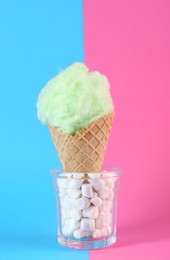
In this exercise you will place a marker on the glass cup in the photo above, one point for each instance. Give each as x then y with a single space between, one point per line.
87 207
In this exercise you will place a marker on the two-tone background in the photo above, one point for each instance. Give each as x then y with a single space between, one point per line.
129 41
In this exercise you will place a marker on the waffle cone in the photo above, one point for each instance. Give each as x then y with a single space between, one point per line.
85 151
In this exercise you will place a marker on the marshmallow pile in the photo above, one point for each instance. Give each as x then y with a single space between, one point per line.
86 204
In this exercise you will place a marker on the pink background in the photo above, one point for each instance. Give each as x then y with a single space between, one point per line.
129 41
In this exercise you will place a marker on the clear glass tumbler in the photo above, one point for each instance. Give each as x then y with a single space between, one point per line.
87 207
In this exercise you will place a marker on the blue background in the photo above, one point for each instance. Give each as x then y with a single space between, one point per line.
37 39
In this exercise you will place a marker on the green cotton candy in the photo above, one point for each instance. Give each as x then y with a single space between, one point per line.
74 99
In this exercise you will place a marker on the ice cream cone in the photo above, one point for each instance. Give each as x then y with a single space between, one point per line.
85 151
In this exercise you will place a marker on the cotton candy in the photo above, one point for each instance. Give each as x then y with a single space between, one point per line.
74 99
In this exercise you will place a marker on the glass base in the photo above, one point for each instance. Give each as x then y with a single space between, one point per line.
87 244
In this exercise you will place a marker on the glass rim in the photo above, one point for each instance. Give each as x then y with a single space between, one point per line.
59 172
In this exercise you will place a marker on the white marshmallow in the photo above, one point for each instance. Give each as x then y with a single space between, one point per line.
103 193
67 203
95 194
82 203
62 192
97 233
97 183
105 206
96 201
62 221
66 174
109 230
67 231
87 190
74 193
110 218
76 183
72 224
78 175
112 174
95 175
103 232
76 214
65 213
109 182
102 220
63 183
106 173
91 212
87 224
79 233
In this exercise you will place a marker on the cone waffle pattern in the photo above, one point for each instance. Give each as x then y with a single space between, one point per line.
85 151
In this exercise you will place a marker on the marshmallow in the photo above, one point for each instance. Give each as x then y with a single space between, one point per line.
105 206
62 192
110 218
76 183
65 231
103 232
69 231
97 233
113 174
62 221
96 201
87 190
74 193
72 224
78 175
109 182
76 214
103 193
102 220
91 212
106 174
95 175
95 194
63 183
79 233
82 203
65 213
97 183
109 230
67 203
66 174
87 224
